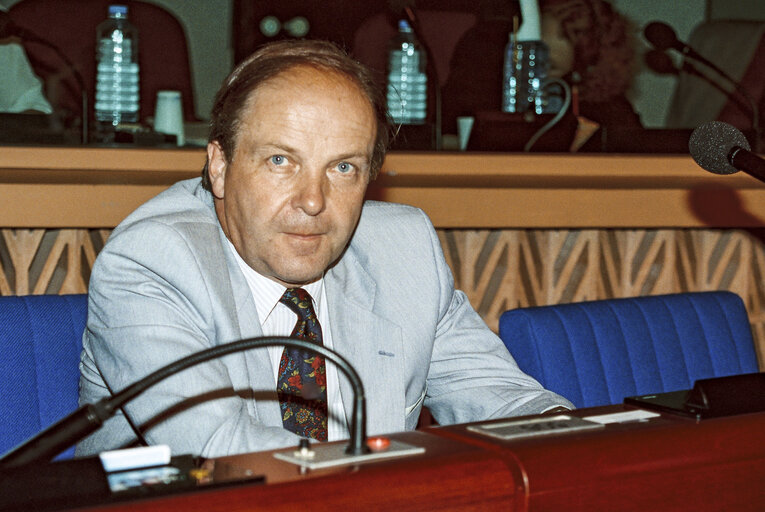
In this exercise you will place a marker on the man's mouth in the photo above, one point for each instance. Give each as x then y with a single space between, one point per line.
303 235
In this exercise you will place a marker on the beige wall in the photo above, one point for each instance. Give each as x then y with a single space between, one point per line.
652 93
208 27
736 10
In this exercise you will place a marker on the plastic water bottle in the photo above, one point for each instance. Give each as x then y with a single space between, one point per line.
407 94
527 60
117 74
525 75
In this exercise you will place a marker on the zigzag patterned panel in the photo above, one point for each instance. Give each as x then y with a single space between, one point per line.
40 261
497 269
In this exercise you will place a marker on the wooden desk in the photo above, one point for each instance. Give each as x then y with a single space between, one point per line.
517 230
667 463
464 190
52 187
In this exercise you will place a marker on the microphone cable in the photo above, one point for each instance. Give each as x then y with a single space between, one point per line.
558 116
136 430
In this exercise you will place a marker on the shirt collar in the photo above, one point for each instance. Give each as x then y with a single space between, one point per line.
266 292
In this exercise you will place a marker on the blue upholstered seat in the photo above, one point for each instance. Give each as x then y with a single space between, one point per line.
598 352
40 344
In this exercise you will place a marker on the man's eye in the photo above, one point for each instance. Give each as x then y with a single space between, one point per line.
278 160
344 167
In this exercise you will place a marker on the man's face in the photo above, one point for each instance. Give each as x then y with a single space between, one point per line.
291 196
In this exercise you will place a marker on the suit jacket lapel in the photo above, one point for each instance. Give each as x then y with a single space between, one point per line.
370 342
260 373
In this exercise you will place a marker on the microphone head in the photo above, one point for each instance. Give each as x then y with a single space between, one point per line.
711 143
661 36
659 62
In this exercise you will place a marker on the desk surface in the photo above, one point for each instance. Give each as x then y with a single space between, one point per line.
663 463
97 187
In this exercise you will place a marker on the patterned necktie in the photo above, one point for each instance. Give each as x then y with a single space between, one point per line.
302 383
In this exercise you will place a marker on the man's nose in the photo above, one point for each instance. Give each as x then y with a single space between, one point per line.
310 193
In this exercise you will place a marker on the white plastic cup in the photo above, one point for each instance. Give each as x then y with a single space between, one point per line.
168 115
464 127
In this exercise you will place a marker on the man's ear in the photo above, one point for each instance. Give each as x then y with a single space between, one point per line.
216 168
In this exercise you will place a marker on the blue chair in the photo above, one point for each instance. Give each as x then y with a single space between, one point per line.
598 352
40 345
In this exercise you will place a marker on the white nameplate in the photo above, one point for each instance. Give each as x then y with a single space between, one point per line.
623 417
132 458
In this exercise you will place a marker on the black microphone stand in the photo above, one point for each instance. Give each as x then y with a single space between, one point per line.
88 418
77 76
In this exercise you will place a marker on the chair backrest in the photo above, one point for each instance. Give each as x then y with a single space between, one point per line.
598 352
40 345
71 26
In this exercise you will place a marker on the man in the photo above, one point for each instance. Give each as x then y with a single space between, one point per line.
279 219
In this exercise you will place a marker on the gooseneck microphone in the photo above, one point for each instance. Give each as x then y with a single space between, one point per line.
9 29
659 62
721 148
89 418
663 38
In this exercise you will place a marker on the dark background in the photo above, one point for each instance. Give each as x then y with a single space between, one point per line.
336 20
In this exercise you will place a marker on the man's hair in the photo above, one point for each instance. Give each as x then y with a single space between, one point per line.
275 58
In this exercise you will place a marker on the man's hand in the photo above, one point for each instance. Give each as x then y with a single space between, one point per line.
556 410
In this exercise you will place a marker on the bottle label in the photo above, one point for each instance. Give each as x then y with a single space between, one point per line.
117 81
115 48
525 77
407 91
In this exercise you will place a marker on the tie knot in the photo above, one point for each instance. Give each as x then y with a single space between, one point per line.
299 301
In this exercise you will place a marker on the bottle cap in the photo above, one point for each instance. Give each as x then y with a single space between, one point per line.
530 28
118 9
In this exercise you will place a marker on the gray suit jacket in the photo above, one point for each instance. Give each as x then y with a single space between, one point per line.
165 286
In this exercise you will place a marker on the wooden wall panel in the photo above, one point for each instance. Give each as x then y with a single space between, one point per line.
42 261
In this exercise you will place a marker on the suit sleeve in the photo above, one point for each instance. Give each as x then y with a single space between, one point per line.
472 375
150 304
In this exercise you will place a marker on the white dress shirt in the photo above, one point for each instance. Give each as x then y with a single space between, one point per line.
276 319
